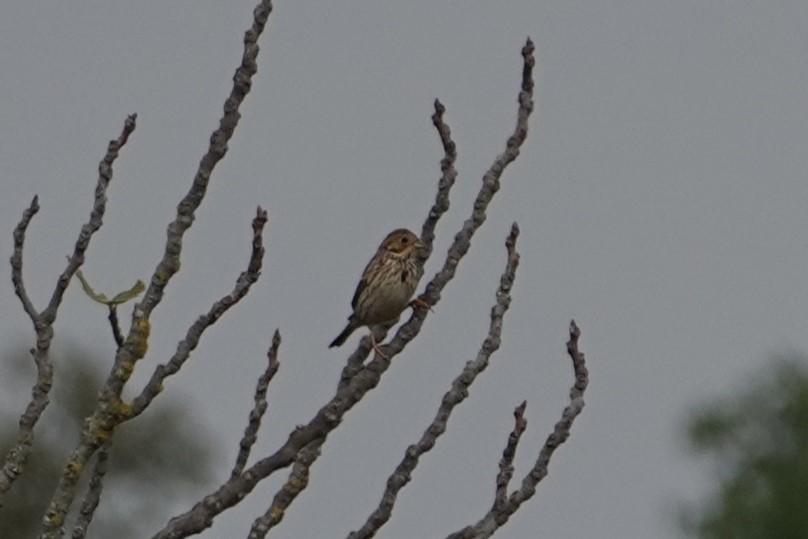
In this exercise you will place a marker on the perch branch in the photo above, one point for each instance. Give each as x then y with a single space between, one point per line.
439 207
462 241
354 386
457 394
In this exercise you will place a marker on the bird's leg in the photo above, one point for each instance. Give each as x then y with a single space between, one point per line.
418 303
376 347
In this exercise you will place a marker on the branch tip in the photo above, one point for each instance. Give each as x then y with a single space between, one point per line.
575 332
261 217
272 353
510 241
439 108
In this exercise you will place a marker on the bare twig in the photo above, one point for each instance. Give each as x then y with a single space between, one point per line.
297 483
93 496
257 413
43 321
16 258
457 394
447 179
354 386
506 463
116 327
503 510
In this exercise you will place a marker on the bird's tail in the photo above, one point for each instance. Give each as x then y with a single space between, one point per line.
342 337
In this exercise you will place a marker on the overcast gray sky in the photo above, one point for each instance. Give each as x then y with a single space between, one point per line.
661 195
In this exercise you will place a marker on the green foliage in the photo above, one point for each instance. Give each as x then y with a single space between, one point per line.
757 441
155 459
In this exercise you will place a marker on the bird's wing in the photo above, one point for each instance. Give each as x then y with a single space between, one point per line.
364 281
361 286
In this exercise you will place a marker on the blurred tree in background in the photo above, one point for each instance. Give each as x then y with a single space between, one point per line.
757 443
153 461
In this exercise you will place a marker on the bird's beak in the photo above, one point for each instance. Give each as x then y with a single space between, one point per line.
420 245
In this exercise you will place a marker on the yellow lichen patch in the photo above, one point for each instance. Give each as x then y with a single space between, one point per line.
297 484
55 519
120 409
103 435
74 469
139 339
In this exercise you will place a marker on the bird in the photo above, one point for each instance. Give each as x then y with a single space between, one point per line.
388 282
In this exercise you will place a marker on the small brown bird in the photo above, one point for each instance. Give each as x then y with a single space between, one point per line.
387 284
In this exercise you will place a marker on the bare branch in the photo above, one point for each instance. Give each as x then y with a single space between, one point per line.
43 321
197 329
503 510
457 394
257 413
116 327
93 496
506 463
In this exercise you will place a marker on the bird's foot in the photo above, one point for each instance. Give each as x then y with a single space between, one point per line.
376 347
418 303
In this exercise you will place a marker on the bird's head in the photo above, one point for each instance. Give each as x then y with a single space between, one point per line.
401 242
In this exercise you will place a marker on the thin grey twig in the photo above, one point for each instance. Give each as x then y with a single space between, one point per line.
447 179
192 337
93 496
506 463
257 413
15 460
291 489
354 387
116 327
16 258
457 394
503 510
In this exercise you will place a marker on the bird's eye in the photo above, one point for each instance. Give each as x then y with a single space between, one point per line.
405 240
